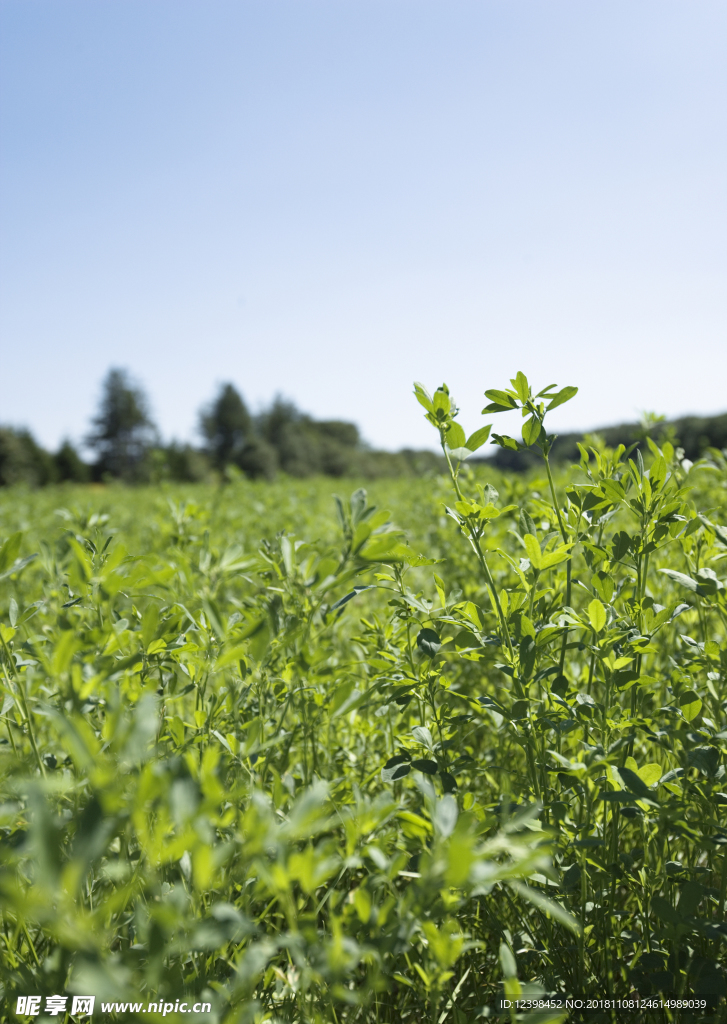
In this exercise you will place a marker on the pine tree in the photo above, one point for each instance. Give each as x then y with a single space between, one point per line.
123 432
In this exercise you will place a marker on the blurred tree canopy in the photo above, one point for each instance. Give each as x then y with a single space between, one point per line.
279 439
22 460
226 426
123 433
694 434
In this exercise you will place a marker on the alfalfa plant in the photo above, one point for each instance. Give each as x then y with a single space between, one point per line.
618 720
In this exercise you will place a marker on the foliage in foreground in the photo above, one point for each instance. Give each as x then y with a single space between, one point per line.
320 772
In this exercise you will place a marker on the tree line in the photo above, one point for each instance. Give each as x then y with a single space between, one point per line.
693 434
125 445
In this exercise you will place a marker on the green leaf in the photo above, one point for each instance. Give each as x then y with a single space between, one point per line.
704 759
17 566
423 397
521 386
690 896
428 642
603 585
720 532
597 615
473 508
507 442
441 401
586 699
531 430
621 544
229 656
500 401
561 554
526 524
526 627
382 548
460 453
9 550
664 910
424 764
444 817
66 646
343 600
341 695
403 553
548 906
657 473
441 589
679 577
708 582
690 705
362 903
519 710
507 961
476 440
396 768
562 396
455 436
634 783
533 549
422 734
650 773
150 621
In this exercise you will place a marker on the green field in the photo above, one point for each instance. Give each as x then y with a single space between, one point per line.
232 775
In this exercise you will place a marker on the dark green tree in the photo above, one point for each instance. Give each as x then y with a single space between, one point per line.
181 462
123 432
22 460
284 427
258 459
306 446
226 426
69 465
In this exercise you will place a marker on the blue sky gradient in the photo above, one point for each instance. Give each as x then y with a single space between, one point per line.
331 199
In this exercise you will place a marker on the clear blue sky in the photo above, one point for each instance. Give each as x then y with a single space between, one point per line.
331 199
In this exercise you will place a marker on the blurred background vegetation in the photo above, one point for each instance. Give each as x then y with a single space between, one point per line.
124 444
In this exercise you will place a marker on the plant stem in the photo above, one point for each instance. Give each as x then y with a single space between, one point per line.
475 542
494 596
568 564
23 701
